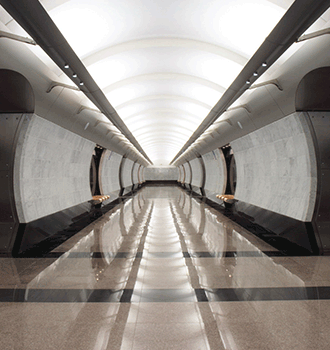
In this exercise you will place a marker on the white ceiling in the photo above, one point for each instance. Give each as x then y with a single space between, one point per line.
163 64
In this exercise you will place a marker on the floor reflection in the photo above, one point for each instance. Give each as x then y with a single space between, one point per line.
164 271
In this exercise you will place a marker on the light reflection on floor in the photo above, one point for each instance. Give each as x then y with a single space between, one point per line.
164 271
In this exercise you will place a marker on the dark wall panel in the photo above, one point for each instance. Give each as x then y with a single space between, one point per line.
313 91
16 94
320 122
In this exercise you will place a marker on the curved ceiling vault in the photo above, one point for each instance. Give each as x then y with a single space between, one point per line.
164 64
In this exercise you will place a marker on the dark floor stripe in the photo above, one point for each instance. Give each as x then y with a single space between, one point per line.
165 255
163 295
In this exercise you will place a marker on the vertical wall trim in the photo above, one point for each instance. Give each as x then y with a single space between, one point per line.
224 164
191 174
184 174
132 175
203 174
100 170
180 175
121 177
319 127
139 174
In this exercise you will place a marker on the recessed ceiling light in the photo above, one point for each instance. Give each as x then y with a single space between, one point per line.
74 75
264 64
66 66
248 82
255 74
81 83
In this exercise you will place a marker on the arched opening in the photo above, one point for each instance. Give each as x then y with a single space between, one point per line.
94 171
231 169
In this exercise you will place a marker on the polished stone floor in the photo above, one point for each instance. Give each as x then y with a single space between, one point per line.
164 271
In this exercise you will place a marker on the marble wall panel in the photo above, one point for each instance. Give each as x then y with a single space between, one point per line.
127 172
109 173
197 172
276 168
154 173
51 170
216 173
187 170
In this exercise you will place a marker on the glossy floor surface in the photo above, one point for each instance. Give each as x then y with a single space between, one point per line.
164 271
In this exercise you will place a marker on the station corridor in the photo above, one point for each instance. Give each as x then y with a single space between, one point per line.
163 270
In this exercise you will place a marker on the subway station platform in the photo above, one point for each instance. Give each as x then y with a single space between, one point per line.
164 270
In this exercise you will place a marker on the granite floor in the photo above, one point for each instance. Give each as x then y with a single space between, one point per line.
164 271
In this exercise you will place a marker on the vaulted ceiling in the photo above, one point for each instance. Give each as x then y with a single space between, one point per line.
163 64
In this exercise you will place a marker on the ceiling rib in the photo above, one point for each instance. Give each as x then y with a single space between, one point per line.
149 98
164 76
165 42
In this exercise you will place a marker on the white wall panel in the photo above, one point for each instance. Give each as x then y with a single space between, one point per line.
187 172
51 169
127 172
216 172
142 179
153 173
276 168
135 173
180 177
197 172
109 173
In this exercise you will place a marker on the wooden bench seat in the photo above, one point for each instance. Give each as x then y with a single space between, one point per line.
228 198
99 199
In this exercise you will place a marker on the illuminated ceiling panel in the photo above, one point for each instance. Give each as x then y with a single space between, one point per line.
164 64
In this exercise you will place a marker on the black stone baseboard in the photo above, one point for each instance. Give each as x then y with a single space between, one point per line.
40 236
161 182
290 236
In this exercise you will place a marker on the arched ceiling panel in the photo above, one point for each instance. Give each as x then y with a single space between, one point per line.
143 89
148 98
170 129
159 124
171 78
177 134
112 22
158 113
187 88
165 42
190 62
173 139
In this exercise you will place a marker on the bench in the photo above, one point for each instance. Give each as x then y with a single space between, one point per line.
99 199
227 198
